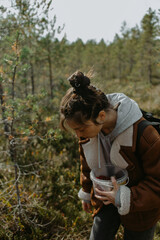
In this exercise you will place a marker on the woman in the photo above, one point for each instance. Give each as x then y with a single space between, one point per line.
112 121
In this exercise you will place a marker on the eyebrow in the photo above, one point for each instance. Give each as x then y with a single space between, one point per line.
77 128
82 127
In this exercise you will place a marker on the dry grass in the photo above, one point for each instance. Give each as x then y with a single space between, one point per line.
145 94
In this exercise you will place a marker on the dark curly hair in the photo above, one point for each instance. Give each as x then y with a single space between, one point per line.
82 102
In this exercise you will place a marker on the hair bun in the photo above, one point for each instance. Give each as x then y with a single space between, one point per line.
79 81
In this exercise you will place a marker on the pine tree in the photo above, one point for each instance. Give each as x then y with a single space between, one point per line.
148 44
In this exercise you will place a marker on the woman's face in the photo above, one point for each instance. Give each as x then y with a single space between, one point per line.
87 130
107 121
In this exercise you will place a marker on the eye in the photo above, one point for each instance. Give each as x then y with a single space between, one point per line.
81 130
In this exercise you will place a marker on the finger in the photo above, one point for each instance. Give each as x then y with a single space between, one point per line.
103 193
101 198
106 202
114 182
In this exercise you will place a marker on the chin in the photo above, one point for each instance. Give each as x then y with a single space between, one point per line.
92 136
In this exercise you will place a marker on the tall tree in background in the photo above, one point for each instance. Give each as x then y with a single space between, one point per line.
75 57
117 49
132 47
102 60
130 41
47 45
148 44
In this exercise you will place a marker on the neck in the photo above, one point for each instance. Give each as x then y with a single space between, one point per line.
110 122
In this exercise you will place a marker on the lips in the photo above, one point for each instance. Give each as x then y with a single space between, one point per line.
82 138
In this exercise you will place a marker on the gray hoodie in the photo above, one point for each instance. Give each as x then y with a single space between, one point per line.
128 113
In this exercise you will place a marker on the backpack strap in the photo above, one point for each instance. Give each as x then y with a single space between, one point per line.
141 126
149 116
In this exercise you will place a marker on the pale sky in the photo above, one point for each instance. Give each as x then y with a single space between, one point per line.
97 19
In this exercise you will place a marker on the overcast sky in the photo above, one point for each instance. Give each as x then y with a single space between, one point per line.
97 19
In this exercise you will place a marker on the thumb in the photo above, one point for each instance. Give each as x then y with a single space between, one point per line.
114 182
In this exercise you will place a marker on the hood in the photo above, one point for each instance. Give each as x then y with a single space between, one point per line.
127 114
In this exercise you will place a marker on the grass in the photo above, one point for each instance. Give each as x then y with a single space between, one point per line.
146 95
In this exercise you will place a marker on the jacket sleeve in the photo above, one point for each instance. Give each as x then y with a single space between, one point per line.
85 180
146 195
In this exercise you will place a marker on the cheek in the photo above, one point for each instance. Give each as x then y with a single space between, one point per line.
95 130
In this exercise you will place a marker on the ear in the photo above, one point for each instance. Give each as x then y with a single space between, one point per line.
101 116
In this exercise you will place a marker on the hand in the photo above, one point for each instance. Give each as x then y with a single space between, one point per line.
86 206
108 197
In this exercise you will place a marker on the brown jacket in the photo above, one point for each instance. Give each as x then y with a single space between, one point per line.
144 180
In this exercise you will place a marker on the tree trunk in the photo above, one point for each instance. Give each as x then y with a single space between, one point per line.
25 79
32 78
50 73
12 142
6 127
